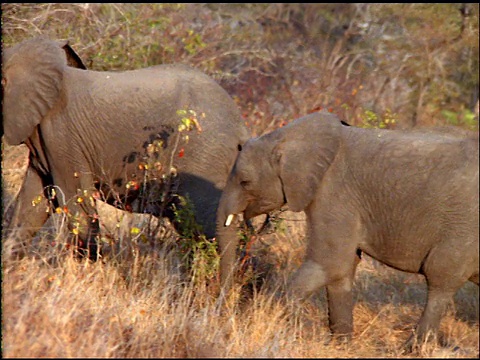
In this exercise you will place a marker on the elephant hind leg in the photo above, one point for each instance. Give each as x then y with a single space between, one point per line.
445 275
427 328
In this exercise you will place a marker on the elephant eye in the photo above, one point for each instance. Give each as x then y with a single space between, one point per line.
244 183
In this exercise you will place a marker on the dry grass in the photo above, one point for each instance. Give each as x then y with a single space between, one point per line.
147 307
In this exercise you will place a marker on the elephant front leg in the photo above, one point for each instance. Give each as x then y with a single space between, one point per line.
313 275
30 213
91 245
310 277
340 308
340 303
84 224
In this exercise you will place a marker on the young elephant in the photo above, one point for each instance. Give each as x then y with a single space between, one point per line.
406 198
114 135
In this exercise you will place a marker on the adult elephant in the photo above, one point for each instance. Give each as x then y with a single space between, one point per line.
115 136
406 198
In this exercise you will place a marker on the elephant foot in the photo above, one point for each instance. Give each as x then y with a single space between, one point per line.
89 249
410 346
338 340
416 344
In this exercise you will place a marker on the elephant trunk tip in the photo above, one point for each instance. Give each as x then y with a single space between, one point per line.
229 220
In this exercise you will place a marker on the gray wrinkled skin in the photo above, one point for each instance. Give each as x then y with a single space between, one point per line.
406 198
89 130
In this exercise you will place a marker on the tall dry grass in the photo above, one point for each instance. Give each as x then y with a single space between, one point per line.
146 305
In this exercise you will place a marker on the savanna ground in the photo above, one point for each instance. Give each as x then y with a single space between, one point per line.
393 66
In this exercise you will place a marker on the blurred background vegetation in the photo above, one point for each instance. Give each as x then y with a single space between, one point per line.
382 65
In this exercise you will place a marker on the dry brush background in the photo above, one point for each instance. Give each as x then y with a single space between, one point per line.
393 66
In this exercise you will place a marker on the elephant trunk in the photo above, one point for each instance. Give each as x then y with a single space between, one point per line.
226 235
228 242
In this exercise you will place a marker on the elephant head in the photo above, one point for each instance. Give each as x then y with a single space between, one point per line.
283 167
25 104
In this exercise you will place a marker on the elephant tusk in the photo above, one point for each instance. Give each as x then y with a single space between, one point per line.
229 220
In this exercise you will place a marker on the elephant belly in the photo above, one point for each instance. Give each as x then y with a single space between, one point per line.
401 255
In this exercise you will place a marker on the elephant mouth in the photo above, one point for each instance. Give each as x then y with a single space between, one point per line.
250 212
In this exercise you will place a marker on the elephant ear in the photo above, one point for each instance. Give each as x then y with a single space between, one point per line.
308 148
73 60
32 79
